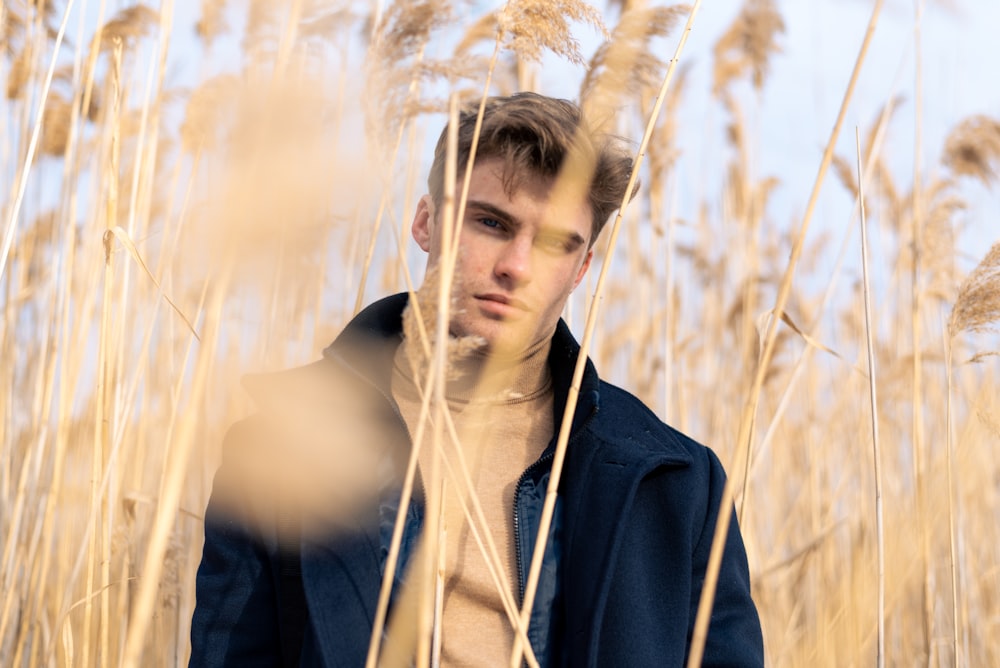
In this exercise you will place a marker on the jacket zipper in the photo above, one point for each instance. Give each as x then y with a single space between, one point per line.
547 457
517 523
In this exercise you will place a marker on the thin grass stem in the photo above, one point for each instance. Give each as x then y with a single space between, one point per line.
873 396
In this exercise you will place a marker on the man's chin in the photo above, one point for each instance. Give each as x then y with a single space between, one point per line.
503 336
504 341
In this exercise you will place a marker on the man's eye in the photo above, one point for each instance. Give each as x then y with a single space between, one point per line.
490 222
553 243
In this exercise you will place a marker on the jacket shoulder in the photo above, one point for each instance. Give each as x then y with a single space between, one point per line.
623 418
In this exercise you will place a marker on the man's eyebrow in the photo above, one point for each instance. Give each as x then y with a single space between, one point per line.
570 238
494 211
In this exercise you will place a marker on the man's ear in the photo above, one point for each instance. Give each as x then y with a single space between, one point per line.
423 223
583 268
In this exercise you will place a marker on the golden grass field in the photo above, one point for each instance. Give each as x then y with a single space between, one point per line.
161 240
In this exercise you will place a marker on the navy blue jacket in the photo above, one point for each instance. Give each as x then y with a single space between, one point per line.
637 508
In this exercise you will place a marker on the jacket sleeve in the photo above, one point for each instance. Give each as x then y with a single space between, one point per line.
734 634
235 619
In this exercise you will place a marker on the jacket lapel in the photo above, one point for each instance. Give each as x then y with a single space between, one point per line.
342 575
341 580
595 521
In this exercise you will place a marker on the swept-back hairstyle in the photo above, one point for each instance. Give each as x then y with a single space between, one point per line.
538 136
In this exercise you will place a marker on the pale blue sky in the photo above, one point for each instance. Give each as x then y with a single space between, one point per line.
808 78
800 100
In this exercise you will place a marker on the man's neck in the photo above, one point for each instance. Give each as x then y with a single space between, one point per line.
477 374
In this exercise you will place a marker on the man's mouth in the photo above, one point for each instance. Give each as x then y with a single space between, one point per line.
500 303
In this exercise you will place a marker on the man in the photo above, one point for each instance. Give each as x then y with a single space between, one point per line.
634 518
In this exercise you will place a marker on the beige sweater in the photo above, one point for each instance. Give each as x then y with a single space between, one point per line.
502 410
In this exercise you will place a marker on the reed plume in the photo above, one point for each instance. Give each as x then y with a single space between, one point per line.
942 205
977 307
55 126
530 27
17 77
128 26
394 69
212 23
626 64
973 149
748 45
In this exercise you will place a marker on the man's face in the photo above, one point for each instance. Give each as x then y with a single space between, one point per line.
519 258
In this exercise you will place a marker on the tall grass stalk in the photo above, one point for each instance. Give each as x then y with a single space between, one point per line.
956 646
873 397
916 315
434 482
106 370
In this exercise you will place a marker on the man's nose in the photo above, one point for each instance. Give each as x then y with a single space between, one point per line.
514 261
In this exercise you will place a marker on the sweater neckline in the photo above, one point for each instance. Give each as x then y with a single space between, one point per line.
475 376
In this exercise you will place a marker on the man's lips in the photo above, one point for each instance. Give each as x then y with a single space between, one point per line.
490 299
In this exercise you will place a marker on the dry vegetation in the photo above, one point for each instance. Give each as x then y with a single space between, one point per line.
157 242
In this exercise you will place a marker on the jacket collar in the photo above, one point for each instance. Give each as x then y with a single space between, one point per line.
368 342
367 345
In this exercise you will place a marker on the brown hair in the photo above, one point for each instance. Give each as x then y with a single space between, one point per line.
534 135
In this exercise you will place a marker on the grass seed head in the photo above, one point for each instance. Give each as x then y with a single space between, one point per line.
460 349
627 64
129 25
17 77
395 69
846 173
973 149
212 23
941 204
977 308
533 26
748 44
11 27
55 126
406 28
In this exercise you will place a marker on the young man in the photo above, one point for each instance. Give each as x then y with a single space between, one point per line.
635 515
